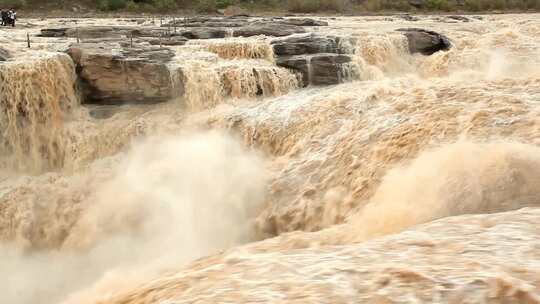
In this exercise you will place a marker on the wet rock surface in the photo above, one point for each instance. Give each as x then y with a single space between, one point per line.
307 44
4 54
424 41
318 69
320 60
113 74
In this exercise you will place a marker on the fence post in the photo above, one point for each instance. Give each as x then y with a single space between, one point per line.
28 39
77 34
131 40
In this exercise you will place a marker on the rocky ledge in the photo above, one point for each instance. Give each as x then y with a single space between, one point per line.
113 69
111 73
425 42
318 59
193 28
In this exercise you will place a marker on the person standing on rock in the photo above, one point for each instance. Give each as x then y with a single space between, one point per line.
12 16
4 15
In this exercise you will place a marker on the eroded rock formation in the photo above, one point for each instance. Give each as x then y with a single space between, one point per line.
425 42
320 60
113 74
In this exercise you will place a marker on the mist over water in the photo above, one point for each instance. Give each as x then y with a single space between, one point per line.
460 178
171 200
111 210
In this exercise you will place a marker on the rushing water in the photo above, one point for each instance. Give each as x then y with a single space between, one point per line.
110 210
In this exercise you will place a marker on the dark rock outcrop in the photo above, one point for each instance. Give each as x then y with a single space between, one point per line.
111 74
425 42
299 64
318 59
4 54
268 29
318 69
327 69
306 44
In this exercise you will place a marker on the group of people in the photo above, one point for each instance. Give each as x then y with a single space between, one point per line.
9 17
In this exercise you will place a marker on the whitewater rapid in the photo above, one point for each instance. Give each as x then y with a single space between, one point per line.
111 210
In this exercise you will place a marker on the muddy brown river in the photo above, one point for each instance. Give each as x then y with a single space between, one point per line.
345 168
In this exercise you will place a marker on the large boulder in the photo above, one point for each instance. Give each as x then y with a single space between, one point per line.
317 59
112 74
318 69
274 29
327 69
306 44
425 42
299 64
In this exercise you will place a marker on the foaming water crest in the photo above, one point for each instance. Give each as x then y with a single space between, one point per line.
460 178
171 200
202 86
379 55
206 86
246 81
35 95
238 48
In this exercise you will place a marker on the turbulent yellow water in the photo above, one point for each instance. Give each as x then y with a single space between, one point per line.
116 208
